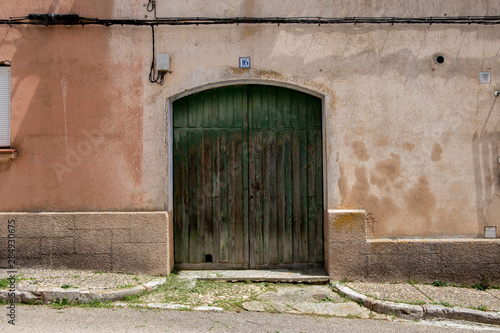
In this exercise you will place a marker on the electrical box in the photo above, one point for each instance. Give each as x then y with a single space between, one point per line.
484 77
490 232
163 62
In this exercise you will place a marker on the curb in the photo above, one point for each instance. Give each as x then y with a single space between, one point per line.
169 306
79 295
409 311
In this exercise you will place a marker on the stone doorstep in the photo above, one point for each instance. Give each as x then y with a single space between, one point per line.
409 311
83 295
306 280
283 275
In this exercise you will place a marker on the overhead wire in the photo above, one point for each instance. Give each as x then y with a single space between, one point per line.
159 77
49 19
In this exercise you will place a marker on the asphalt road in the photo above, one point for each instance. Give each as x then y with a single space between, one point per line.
78 319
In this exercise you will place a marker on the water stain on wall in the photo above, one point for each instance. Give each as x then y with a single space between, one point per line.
343 190
408 146
378 180
420 200
360 151
389 168
360 197
436 152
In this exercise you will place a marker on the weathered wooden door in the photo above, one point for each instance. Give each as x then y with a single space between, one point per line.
248 178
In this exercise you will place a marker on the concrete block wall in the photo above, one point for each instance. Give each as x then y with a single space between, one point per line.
128 242
350 254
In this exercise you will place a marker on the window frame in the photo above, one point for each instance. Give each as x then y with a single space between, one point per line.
5 106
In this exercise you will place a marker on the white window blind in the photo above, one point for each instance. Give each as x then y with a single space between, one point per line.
4 106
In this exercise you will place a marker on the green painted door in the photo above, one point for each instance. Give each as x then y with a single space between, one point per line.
248 179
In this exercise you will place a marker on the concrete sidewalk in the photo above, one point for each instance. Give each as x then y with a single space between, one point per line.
280 291
423 301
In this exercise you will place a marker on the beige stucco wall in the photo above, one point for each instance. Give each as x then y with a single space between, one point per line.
412 142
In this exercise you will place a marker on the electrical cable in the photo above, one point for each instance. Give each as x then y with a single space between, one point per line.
151 7
49 19
72 19
160 77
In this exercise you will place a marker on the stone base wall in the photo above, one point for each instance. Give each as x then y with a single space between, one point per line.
142 242
130 242
350 254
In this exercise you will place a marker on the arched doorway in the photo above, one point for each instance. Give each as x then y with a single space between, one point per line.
248 178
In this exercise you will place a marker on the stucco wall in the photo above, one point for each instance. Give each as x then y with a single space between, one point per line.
412 142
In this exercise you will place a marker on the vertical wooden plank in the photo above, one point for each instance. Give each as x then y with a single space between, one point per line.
184 235
264 107
271 176
251 198
311 195
288 117
192 114
311 114
301 119
193 196
206 109
293 114
255 108
231 195
179 186
302 182
238 108
223 107
296 196
245 176
319 196
216 196
237 185
214 108
184 115
207 191
230 106
255 184
280 103
318 113
177 114
223 171
237 182
287 147
200 199
280 198
272 108
264 191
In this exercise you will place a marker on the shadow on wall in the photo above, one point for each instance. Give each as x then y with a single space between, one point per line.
62 78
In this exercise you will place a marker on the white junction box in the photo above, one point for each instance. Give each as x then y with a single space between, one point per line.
163 62
484 77
490 232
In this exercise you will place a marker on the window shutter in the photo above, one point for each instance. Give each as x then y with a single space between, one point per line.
4 106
